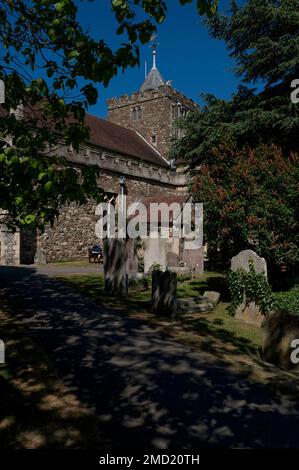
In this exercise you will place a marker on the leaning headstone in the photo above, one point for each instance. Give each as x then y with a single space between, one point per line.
250 313
114 260
164 293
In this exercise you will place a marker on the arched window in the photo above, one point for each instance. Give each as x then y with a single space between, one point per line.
136 113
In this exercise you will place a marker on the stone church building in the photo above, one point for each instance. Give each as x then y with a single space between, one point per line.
133 143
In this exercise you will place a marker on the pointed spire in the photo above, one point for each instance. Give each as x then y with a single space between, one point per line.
154 79
154 56
154 45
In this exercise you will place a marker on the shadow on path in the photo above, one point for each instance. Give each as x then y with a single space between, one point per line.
148 391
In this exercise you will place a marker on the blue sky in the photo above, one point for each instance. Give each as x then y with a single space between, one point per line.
187 54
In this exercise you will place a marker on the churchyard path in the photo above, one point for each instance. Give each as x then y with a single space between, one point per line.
147 390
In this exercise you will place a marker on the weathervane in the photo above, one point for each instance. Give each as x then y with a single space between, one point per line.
154 44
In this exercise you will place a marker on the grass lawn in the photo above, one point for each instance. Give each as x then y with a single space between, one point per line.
229 342
69 263
139 301
36 409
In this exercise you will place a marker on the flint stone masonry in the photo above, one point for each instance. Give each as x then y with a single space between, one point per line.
9 246
250 313
158 114
74 231
116 151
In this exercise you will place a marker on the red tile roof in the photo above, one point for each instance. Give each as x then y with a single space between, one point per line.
111 136
107 135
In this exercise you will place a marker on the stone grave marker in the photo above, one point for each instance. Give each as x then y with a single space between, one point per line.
250 313
115 274
154 252
172 260
164 293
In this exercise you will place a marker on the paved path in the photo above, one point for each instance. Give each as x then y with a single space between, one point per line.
148 390
72 269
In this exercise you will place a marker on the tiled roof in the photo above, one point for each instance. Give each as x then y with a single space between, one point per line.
113 137
106 135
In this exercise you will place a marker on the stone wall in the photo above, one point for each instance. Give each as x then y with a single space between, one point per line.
9 246
74 231
158 112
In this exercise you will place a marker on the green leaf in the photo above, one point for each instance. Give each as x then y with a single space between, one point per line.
48 186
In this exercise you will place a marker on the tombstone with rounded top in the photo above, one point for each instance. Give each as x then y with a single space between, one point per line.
241 261
249 312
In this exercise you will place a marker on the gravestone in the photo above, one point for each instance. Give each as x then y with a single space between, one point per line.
164 293
131 256
250 313
115 274
172 260
154 252
242 261
194 259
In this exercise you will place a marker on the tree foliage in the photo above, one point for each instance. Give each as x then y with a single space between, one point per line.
251 200
243 152
263 38
51 65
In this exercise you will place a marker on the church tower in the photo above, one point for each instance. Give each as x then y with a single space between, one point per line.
153 110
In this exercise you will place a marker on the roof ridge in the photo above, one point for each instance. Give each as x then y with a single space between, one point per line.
153 147
106 134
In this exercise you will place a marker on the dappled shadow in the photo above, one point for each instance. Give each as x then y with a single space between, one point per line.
36 409
206 328
147 390
212 283
225 346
